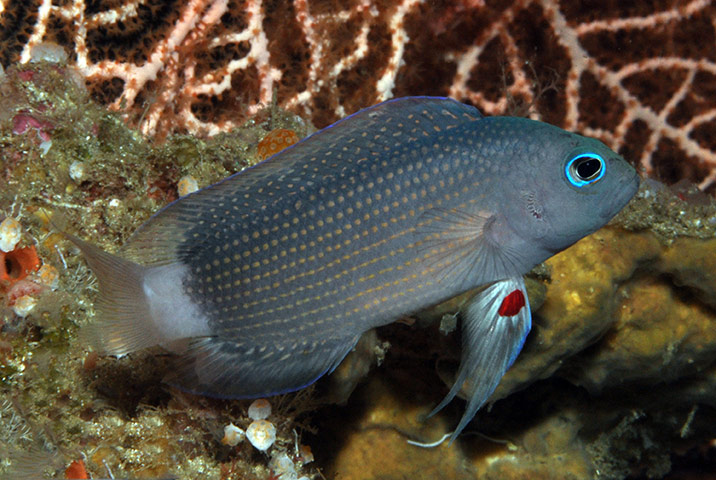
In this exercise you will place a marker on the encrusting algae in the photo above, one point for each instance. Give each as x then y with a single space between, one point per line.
72 405
624 313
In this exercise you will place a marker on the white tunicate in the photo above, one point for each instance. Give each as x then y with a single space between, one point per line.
77 172
48 52
186 185
305 454
45 146
259 409
24 305
232 435
261 434
448 323
10 233
283 467
48 275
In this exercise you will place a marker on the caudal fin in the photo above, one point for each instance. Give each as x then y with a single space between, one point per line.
124 321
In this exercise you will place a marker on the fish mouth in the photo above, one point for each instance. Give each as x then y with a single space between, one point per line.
624 192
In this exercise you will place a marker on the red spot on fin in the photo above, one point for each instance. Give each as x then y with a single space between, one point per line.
512 304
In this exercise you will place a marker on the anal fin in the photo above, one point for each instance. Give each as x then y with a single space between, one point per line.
495 325
229 369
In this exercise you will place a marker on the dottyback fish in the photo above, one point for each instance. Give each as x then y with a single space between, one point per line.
264 281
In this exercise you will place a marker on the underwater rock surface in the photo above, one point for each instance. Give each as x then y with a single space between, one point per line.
617 375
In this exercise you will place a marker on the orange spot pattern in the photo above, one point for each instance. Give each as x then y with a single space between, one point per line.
275 141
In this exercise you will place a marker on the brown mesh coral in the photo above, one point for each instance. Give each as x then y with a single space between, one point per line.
640 76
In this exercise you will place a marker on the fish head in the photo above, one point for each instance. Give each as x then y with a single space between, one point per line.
574 186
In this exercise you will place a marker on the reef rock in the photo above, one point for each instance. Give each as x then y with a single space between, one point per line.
617 374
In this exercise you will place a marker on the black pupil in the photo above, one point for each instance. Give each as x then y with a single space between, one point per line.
589 168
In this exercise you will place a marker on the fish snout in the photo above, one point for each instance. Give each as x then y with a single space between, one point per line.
623 192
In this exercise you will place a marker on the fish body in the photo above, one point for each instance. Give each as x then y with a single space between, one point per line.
265 281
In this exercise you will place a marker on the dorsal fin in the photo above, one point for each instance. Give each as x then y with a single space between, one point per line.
158 241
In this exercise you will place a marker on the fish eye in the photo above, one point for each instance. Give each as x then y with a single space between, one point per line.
584 169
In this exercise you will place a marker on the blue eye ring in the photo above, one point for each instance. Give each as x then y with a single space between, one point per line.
582 170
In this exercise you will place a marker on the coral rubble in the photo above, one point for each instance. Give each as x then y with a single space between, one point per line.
64 407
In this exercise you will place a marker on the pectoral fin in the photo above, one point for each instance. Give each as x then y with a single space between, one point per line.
495 325
461 247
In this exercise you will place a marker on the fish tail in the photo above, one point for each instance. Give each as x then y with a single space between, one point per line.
125 318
